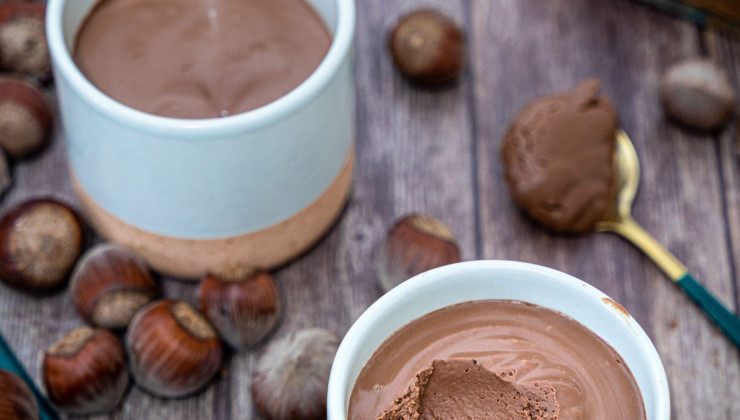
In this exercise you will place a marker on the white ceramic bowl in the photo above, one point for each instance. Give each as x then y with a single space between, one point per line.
477 280
217 179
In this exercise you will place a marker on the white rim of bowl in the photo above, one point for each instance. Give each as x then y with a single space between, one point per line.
351 343
188 128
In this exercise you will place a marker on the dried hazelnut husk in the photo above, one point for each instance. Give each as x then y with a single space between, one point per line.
415 244
292 376
428 47
172 348
85 372
25 117
17 402
698 94
110 284
242 304
40 240
23 46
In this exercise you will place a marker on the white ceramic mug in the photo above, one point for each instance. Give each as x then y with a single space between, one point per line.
478 280
191 195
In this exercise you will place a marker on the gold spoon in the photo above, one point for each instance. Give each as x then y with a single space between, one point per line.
628 167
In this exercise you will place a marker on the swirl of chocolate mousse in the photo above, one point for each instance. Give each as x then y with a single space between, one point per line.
558 158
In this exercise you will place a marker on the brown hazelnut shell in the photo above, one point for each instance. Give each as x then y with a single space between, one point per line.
428 47
85 372
40 241
25 50
415 244
17 402
291 378
25 117
110 284
698 94
242 304
173 350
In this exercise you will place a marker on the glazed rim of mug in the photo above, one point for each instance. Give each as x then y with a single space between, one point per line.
434 284
195 128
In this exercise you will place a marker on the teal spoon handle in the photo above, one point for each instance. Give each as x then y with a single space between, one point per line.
723 317
9 362
727 321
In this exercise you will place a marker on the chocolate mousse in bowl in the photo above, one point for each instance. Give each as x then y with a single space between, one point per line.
499 340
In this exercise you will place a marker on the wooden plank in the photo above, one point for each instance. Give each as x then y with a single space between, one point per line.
725 49
526 48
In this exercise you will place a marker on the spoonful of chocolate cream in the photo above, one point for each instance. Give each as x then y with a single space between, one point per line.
573 170
559 159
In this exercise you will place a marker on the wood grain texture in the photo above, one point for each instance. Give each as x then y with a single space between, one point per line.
725 50
435 151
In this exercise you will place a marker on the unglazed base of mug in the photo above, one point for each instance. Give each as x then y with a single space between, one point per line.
266 248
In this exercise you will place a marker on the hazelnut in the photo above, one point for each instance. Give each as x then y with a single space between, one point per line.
698 93
23 46
414 245
173 349
16 399
25 117
242 304
428 47
292 376
109 284
40 240
85 372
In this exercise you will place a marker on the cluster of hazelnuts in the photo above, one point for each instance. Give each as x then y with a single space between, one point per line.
25 116
170 349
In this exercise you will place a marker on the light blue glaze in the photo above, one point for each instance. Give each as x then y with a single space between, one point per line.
210 178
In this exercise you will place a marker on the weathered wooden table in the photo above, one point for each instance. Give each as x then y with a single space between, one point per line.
437 152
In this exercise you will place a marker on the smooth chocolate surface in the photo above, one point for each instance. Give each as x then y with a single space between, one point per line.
200 58
538 346
558 155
